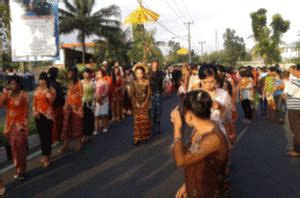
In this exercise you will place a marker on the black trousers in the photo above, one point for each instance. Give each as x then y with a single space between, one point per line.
44 127
294 120
246 104
88 119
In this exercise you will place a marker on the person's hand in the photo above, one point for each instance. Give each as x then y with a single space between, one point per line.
284 96
215 105
176 119
181 193
36 115
66 107
232 138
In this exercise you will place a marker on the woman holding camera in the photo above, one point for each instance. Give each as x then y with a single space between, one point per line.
205 158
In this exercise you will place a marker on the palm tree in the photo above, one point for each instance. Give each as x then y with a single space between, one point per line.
151 47
144 45
115 46
78 15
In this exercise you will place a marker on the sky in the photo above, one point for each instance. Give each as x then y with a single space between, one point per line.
208 16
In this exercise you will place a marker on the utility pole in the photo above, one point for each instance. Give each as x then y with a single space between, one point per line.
298 44
202 44
217 40
189 23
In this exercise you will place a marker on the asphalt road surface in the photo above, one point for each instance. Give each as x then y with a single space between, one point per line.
111 166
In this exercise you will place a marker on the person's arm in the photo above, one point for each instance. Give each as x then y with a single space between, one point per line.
26 106
3 98
35 114
148 94
207 146
50 94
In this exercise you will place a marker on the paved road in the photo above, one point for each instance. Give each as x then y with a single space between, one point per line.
111 167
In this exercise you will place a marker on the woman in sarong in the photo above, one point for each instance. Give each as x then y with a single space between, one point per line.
16 124
140 93
73 112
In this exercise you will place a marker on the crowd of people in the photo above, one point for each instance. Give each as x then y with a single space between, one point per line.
209 95
209 98
94 100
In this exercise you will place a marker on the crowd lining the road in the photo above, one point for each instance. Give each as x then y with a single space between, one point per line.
208 104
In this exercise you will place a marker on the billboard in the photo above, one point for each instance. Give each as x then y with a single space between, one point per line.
34 30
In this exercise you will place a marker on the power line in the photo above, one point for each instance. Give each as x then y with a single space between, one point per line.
169 31
172 9
160 23
179 17
180 10
187 10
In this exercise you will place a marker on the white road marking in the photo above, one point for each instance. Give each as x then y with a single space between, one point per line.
30 157
10 167
241 134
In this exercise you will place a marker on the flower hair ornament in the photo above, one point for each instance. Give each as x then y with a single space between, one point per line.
140 65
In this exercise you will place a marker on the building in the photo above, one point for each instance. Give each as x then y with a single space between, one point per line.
70 54
290 51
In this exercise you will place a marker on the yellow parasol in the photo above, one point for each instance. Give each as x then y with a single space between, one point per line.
182 51
141 15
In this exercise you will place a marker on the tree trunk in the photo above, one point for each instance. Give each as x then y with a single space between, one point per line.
145 55
83 48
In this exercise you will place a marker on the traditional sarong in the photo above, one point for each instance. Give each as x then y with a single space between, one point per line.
142 125
72 125
18 141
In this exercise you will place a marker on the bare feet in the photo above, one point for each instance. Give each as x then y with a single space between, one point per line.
46 163
2 188
78 146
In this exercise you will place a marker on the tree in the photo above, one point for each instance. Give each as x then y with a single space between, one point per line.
144 47
217 57
234 47
173 57
268 38
114 47
5 18
79 16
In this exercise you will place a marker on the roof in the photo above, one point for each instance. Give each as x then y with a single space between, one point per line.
74 45
290 45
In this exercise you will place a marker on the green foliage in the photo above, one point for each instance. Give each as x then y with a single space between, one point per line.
62 77
296 61
5 16
173 57
144 47
114 47
268 38
217 57
79 15
234 47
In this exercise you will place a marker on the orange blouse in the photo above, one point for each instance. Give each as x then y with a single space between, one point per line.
74 98
42 102
16 111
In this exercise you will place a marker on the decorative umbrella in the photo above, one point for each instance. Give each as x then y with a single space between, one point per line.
182 51
141 15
